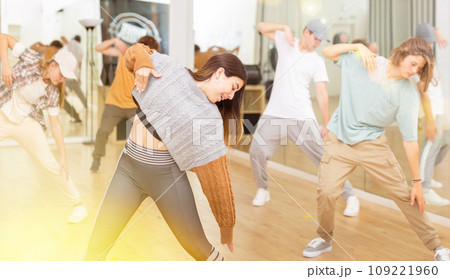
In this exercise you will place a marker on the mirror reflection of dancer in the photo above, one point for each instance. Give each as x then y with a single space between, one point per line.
153 162
25 91
298 64
371 100
119 102
437 133
47 52
74 46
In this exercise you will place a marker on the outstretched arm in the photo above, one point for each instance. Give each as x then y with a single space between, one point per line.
441 41
333 52
268 29
322 100
112 47
430 128
412 154
6 41
39 47
138 61
216 184
55 127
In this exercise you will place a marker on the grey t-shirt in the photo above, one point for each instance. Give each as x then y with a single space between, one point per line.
370 101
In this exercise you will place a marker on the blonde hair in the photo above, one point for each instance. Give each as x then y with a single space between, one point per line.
417 47
44 64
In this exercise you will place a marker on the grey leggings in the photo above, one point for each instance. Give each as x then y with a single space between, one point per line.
131 183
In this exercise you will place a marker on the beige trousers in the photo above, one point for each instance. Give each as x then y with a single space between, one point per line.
31 137
377 159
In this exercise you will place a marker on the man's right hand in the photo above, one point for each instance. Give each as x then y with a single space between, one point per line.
288 35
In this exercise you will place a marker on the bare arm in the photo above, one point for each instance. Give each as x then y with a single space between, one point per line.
39 47
441 41
412 154
430 129
64 40
268 29
322 99
55 127
6 41
333 52
113 47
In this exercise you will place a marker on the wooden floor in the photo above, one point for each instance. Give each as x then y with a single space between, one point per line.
33 213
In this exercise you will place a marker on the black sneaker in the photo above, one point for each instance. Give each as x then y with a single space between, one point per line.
95 165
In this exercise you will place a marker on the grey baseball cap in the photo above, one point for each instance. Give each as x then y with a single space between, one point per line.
318 28
426 31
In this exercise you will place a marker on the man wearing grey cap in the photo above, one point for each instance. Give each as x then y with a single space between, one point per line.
437 132
289 113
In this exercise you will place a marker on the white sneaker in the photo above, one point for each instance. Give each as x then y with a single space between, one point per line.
316 247
442 254
79 213
352 208
435 184
432 198
262 196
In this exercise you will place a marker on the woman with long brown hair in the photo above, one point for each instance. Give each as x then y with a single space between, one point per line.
25 91
181 124
375 93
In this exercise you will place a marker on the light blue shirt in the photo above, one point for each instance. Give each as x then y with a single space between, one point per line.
370 102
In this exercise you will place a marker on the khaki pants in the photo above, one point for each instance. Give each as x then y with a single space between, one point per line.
377 159
31 137
272 136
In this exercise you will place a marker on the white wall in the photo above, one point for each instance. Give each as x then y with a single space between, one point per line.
348 16
226 23
401 31
39 20
443 55
181 37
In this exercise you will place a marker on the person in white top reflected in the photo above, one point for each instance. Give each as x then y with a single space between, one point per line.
437 132
289 113
74 46
26 90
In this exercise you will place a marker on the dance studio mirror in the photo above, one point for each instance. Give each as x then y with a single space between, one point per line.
382 22
45 21
237 20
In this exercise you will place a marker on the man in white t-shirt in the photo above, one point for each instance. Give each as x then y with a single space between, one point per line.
289 113
74 46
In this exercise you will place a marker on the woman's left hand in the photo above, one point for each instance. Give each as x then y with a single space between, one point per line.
63 165
141 77
417 194
7 75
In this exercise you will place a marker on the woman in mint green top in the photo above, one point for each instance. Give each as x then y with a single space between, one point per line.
375 93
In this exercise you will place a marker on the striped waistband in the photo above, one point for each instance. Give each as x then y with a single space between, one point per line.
147 155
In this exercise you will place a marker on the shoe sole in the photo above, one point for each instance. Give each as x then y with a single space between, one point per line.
438 204
316 253
76 222
257 204
350 215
